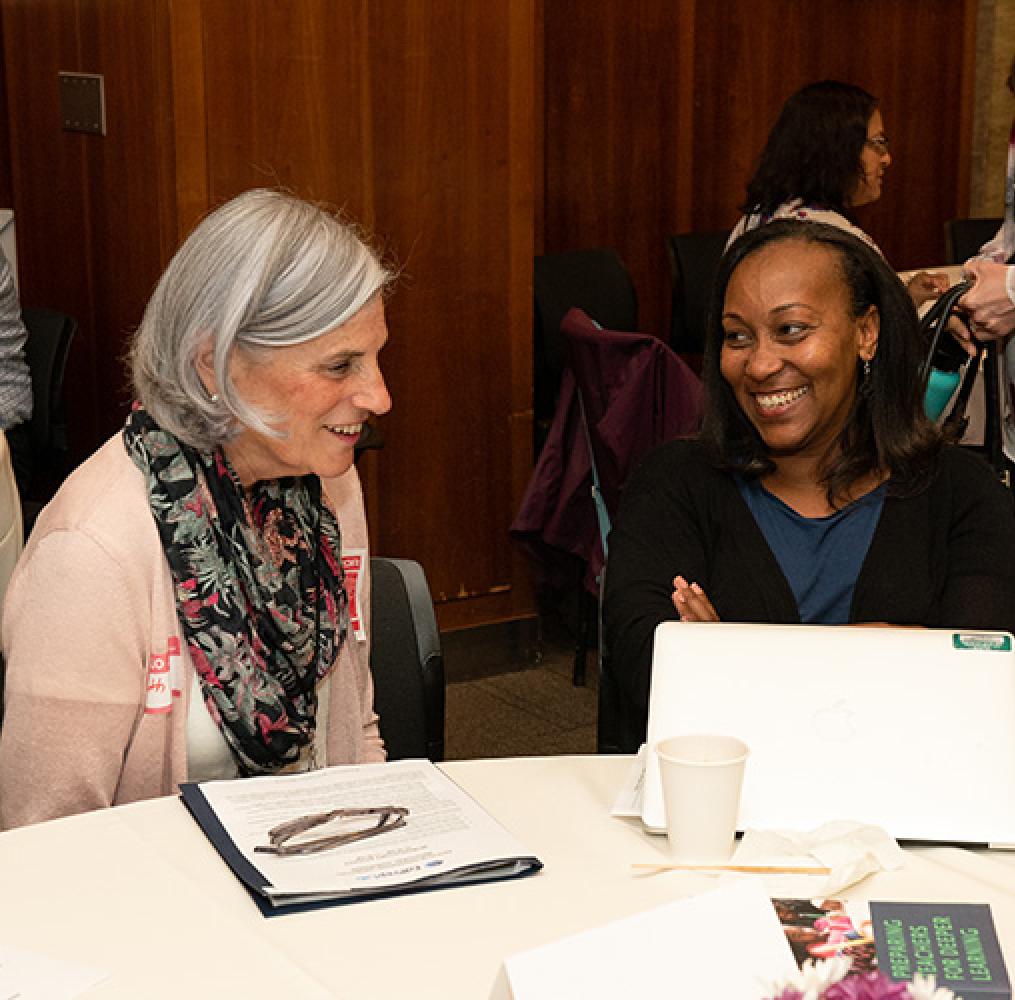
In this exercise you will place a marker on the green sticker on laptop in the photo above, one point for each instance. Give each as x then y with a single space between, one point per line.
998 641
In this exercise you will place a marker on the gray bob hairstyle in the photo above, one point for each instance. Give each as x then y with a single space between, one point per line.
264 270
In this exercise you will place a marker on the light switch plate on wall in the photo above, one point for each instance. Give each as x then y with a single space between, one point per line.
83 103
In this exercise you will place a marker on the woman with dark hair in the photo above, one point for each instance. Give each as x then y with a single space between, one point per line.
825 156
818 491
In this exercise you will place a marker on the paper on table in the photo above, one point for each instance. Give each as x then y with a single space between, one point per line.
628 800
26 975
446 829
686 945
851 850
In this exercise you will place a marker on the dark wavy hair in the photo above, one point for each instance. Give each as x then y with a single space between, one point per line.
886 428
813 151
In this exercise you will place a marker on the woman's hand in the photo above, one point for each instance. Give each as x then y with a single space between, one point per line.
991 311
959 329
691 602
924 286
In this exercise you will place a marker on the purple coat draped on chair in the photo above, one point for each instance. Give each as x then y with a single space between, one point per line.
637 394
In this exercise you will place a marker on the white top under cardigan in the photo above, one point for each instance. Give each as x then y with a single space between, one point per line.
796 209
209 757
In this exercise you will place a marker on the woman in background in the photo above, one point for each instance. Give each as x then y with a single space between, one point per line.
818 491
181 610
825 157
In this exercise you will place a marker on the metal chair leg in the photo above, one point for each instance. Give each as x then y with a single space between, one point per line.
586 614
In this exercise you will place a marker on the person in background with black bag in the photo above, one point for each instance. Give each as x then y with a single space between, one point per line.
989 305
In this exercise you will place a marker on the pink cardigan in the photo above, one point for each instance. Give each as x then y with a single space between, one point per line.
91 719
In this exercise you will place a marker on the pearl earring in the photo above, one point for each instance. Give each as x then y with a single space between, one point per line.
866 368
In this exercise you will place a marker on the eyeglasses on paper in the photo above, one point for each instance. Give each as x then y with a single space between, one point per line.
346 827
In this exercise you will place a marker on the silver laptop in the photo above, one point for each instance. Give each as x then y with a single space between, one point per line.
909 729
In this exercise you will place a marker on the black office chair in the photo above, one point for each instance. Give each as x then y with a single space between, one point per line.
406 661
595 281
964 237
639 377
372 439
694 261
49 338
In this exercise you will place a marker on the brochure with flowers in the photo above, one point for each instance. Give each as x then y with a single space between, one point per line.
900 942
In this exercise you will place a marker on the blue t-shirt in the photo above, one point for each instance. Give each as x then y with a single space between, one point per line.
819 556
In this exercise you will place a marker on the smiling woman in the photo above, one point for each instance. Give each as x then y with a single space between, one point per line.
818 491
789 354
182 609
322 390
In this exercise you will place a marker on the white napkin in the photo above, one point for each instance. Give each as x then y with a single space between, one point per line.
850 849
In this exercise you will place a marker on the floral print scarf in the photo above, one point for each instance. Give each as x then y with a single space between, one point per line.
260 590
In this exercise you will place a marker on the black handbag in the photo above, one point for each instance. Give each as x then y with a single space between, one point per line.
943 354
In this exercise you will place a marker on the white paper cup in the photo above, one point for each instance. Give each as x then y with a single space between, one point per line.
702 775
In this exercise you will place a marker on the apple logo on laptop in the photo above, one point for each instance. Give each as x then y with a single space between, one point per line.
835 723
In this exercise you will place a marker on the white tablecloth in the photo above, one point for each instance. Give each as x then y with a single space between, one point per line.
139 892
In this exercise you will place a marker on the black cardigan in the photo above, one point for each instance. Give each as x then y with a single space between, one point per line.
943 558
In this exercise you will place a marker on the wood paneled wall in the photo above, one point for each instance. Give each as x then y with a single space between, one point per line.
657 110
94 214
467 134
358 104
414 116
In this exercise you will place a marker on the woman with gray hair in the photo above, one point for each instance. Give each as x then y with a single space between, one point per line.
192 603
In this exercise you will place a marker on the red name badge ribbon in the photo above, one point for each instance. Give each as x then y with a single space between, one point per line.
352 564
159 696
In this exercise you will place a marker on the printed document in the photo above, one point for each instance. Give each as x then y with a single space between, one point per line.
447 838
